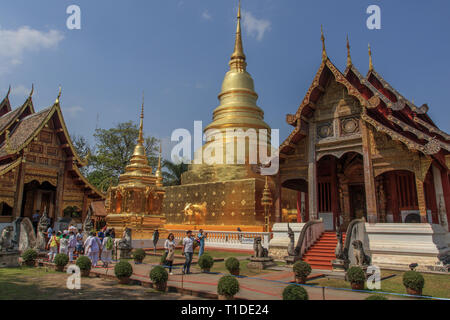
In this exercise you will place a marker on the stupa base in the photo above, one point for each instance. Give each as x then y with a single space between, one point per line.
142 226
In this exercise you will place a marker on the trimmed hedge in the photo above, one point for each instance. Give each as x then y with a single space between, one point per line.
228 286
29 255
158 274
294 292
356 275
84 263
139 255
413 280
61 259
232 264
123 269
302 269
205 261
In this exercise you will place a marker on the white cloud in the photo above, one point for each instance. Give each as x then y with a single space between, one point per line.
255 27
206 15
73 112
15 44
21 91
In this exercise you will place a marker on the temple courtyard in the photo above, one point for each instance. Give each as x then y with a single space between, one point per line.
43 283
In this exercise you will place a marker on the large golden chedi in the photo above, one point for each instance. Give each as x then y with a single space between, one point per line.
136 201
227 195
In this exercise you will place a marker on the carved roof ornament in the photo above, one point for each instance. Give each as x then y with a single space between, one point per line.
432 147
324 51
370 59
59 96
9 91
31 92
349 57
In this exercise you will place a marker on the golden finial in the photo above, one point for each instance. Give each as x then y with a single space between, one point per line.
141 126
238 57
349 58
59 95
370 59
324 51
32 91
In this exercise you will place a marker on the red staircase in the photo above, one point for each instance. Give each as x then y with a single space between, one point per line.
322 252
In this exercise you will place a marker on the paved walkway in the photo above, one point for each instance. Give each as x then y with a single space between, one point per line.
265 287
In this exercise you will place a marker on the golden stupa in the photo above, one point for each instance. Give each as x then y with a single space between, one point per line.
136 201
224 195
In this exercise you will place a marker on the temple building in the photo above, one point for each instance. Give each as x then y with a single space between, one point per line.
136 201
359 148
225 194
39 167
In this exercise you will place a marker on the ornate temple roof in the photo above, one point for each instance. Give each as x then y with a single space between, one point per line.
19 128
383 107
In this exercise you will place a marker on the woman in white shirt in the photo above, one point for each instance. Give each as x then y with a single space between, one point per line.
170 245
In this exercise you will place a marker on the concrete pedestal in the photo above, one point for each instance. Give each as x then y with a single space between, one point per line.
124 253
9 259
258 264
279 243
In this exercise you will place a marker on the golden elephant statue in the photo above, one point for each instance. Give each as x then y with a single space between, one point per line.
195 214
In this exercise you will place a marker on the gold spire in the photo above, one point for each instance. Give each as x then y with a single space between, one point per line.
349 58
324 51
237 61
59 96
158 172
370 59
141 125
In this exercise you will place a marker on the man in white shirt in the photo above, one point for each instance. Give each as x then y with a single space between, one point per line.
92 247
188 251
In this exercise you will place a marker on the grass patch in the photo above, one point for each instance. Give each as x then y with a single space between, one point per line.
436 285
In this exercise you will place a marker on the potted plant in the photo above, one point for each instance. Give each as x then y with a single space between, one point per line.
139 255
85 264
356 276
205 262
61 260
123 271
232 265
413 282
302 270
295 292
376 297
29 257
227 287
162 261
159 277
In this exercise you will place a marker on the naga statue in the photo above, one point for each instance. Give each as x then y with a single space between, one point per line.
6 239
44 223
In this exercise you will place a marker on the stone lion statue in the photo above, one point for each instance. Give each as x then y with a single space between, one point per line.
194 213
360 256
125 242
6 239
260 251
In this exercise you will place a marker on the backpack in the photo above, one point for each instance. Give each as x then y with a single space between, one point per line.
109 244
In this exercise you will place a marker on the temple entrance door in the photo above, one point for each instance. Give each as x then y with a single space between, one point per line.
357 201
38 197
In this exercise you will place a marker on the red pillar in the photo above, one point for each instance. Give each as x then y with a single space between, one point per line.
393 197
446 189
299 206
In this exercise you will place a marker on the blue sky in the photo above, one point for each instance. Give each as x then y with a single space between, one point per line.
177 51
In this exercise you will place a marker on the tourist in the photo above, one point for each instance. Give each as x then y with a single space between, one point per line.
169 246
201 241
52 246
107 247
72 245
92 247
73 229
35 220
155 239
113 233
188 251
64 244
100 235
79 238
49 232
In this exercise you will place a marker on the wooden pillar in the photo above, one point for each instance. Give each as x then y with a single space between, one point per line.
18 197
369 179
446 189
312 173
421 200
59 195
334 193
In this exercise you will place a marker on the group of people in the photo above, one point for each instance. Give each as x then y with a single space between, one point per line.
71 242
189 244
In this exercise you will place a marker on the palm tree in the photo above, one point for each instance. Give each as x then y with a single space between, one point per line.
172 175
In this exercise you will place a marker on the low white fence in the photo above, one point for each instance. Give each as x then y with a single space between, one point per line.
228 239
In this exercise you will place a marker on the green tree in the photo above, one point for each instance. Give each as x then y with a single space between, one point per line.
173 172
83 150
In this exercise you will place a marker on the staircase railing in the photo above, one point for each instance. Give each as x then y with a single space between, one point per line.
311 231
352 235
